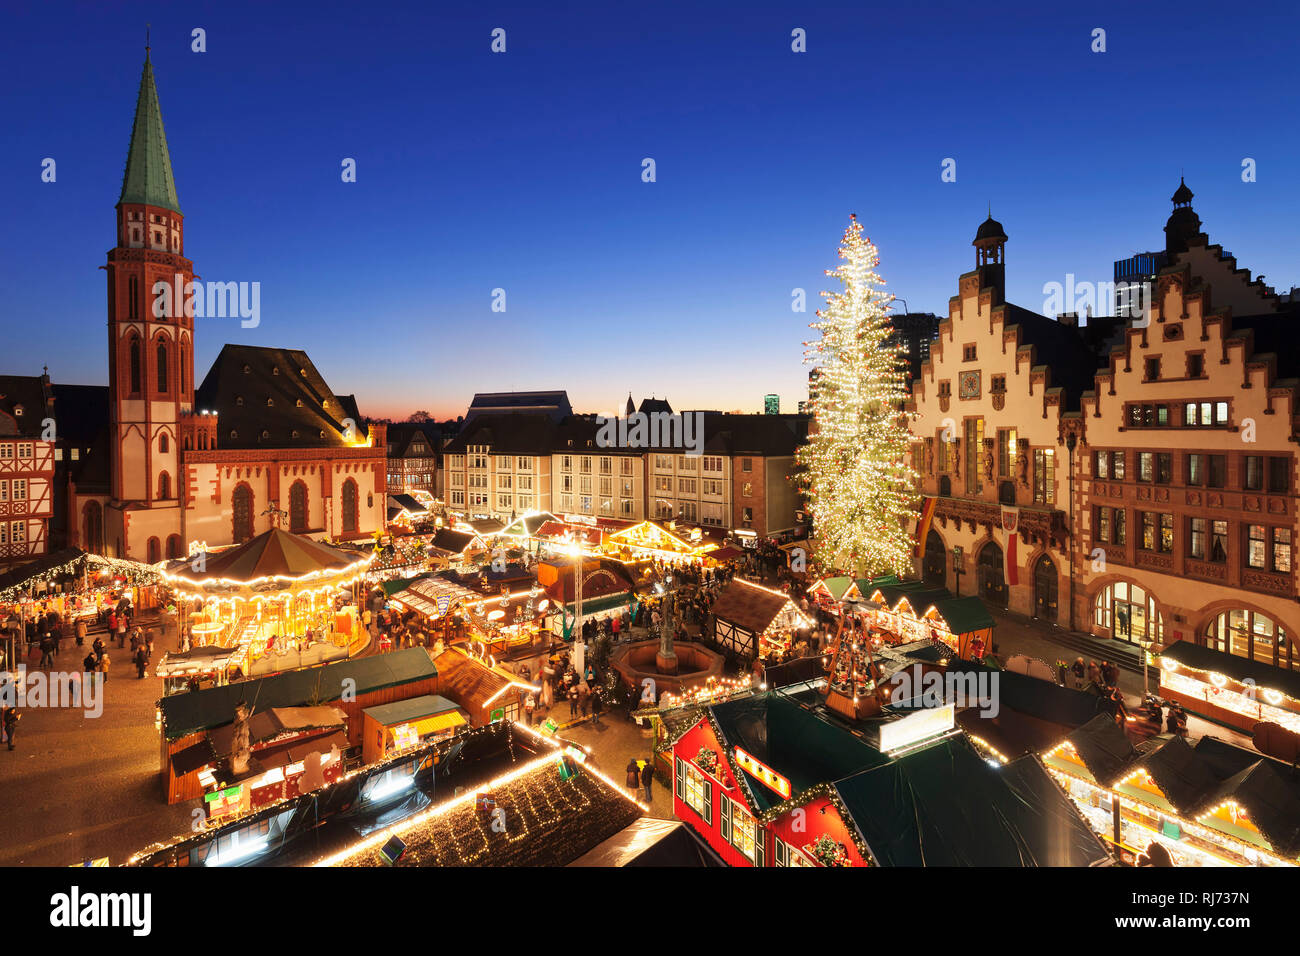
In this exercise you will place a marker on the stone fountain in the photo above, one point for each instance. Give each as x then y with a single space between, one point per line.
673 667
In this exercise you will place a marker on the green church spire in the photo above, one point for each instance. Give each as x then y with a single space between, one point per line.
148 177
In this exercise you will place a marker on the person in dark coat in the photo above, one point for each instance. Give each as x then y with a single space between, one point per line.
633 775
648 780
97 648
47 651
11 718
141 658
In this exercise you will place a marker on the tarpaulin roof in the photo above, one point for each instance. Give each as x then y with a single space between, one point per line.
1183 776
943 805
1103 747
647 841
208 657
1048 701
1269 800
1264 676
214 706
269 724
272 554
793 741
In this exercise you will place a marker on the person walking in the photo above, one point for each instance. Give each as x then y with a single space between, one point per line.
121 631
1094 673
104 663
573 702
149 636
47 651
584 698
1079 671
595 708
529 706
140 660
633 776
81 631
648 780
11 718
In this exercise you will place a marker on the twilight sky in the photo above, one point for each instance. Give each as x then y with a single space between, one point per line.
522 171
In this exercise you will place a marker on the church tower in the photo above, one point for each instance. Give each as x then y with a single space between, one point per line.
150 343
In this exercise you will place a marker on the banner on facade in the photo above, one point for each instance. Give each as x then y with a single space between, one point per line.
1010 525
923 524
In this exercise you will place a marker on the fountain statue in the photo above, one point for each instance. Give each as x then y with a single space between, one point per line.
666 659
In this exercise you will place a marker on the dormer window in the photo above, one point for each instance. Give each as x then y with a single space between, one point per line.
321 433
302 372
18 411
295 433
265 435
233 433
275 370
298 403
270 402
248 370
239 399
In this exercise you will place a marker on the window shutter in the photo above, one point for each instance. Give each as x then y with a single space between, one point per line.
724 817
760 845
679 778
708 803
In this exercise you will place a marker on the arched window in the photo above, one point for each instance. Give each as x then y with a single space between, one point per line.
133 353
1128 612
241 509
298 508
1249 634
164 486
349 506
155 551
992 584
180 361
162 365
174 546
92 527
163 444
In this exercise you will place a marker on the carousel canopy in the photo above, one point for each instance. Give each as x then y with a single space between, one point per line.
272 554
197 660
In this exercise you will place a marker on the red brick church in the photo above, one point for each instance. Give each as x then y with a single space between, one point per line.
156 462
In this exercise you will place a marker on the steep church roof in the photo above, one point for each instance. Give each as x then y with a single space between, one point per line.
148 177
278 392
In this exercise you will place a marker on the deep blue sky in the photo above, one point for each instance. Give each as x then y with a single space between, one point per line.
523 171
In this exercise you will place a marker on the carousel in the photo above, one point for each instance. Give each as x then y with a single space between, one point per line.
278 602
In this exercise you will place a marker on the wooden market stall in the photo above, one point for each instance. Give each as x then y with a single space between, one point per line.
751 620
964 624
390 728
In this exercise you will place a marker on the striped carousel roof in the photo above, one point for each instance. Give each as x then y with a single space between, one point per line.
272 554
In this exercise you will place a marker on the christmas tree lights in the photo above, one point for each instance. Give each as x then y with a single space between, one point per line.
853 469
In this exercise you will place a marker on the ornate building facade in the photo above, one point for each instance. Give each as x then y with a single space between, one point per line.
1155 483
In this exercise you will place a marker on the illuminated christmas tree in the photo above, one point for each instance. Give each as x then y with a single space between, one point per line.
859 487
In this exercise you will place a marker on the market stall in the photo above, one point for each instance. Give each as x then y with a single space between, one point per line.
1178 797
653 540
754 621
1229 689
391 728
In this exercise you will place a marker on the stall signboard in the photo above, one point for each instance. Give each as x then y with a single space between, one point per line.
497 715
550 727
227 802
761 771
917 727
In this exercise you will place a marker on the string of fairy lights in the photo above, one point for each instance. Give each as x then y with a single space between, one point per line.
854 468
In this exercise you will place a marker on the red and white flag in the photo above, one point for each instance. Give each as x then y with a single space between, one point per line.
1010 525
